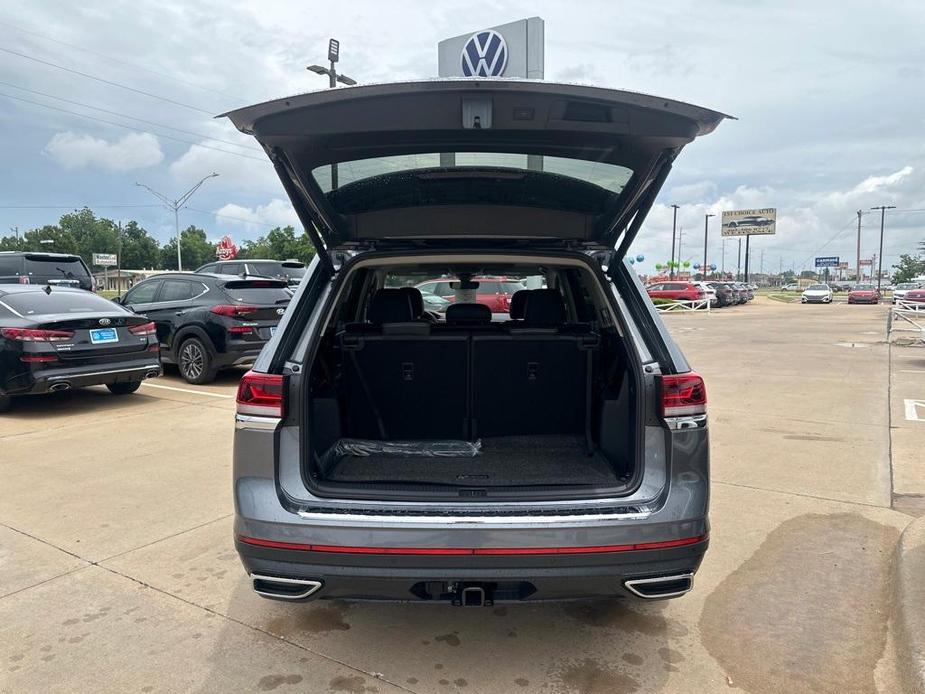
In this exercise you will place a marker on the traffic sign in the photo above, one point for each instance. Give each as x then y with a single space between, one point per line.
827 261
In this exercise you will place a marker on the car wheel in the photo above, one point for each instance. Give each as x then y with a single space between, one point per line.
195 362
123 388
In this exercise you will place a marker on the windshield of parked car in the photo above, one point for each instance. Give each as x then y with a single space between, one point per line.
907 285
863 287
818 288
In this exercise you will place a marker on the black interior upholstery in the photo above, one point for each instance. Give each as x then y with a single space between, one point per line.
470 377
518 304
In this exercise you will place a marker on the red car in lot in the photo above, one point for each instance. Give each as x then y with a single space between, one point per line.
494 292
915 296
864 294
676 291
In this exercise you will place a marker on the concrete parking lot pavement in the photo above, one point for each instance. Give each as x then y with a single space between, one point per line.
118 573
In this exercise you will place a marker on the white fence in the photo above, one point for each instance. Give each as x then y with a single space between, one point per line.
681 305
907 317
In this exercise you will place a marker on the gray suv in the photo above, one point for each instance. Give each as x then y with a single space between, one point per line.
386 452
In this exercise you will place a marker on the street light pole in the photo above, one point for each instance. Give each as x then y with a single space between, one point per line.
674 226
333 79
857 279
706 231
176 206
883 209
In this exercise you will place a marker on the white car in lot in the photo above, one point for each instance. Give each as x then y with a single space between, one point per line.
708 292
817 294
899 292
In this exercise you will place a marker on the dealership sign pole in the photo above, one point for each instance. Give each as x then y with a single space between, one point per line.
748 223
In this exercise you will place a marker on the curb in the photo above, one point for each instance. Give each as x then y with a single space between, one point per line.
909 606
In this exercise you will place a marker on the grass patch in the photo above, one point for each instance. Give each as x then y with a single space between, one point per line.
784 298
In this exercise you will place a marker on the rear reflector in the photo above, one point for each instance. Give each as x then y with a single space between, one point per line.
30 335
683 394
143 329
468 551
261 394
240 330
233 311
38 358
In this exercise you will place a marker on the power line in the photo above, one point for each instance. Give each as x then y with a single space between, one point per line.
119 61
129 127
837 234
123 115
105 81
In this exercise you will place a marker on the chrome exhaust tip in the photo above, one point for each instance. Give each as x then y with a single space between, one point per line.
153 373
284 588
62 385
660 587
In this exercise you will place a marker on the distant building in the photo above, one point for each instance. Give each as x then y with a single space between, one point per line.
121 280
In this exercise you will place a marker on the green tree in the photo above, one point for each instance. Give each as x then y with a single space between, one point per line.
280 243
195 248
909 266
139 250
91 233
12 243
50 238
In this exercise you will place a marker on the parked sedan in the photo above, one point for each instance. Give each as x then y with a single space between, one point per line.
864 294
915 296
790 287
494 292
817 294
56 338
210 322
902 289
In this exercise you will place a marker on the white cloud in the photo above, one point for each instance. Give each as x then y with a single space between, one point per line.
252 171
277 212
133 151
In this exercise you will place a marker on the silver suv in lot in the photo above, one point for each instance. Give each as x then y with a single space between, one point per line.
386 452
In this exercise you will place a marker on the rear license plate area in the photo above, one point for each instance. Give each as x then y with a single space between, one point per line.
99 336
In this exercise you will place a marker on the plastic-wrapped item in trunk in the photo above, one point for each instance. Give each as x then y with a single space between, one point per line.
364 448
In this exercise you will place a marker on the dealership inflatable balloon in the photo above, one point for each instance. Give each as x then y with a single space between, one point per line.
687 264
632 261
713 267
658 266
640 258
696 266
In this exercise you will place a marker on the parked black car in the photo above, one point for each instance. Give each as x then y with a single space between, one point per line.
290 271
56 338
23 267
725 295
209 322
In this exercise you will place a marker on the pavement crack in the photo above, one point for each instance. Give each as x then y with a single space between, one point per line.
800 494
163 539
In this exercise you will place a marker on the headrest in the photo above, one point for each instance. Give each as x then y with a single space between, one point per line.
390 306
518 303
468 313
417 301
545 306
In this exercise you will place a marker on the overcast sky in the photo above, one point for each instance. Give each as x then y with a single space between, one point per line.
830 98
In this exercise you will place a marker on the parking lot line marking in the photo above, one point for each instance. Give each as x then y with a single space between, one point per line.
912 371
188 390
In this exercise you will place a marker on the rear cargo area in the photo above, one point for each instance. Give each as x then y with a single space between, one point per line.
469 403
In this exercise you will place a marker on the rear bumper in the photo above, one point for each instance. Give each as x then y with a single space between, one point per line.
241 354
48 380
443 578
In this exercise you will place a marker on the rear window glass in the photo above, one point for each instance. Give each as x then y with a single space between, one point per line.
610 177
10 265
258 292
39 303
69 268
282 270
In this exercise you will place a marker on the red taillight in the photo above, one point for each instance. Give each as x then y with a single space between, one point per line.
233 311
38 358
143 329
261 394
156 347
683 394
30 335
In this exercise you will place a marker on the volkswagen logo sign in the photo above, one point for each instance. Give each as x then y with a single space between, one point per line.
105 321
280 311
484 55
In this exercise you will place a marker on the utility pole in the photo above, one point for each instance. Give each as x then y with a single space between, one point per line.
333 79
680 236
883 209
119 261
745 278
674 226
706 231
857 279
176 206
761 267
739 260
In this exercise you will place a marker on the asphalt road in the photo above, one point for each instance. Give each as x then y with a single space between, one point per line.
118 574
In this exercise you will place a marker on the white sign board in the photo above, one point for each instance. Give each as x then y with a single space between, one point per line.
915 410
105 259
749 222
509 50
